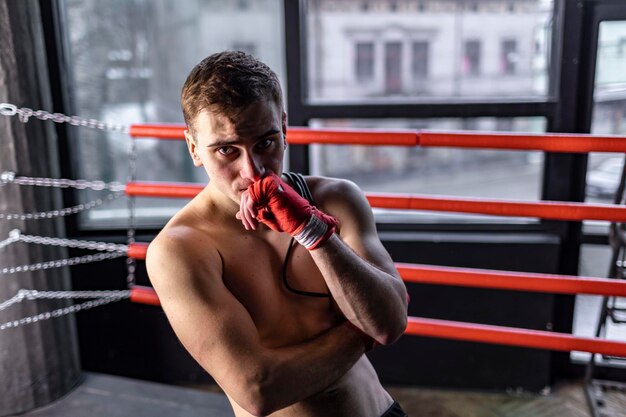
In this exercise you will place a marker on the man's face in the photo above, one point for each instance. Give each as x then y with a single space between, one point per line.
236 154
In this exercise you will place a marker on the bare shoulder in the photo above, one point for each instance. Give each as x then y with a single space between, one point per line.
177 253
340 197
327 190
178 241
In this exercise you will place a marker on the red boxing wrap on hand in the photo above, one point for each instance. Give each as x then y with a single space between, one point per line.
282 209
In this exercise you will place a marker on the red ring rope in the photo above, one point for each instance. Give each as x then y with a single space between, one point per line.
548 142
472 332
481 278
305 136
506 280
537 339
544 209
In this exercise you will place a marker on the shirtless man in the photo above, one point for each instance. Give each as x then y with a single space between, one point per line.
280 323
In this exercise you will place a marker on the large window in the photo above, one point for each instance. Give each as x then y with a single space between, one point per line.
454 48
129 59
428 52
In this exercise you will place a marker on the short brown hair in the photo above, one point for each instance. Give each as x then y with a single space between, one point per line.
227 82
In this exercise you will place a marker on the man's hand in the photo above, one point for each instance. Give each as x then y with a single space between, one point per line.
273 202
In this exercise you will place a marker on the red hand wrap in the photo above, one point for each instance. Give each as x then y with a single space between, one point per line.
282 209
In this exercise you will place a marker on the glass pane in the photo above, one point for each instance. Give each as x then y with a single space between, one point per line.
424 50
436 171
129 60
609 112
603 174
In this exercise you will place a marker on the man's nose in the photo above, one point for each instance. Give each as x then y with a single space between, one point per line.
252 168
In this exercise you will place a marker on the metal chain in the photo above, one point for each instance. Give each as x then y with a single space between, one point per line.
24 114
16 236
8 177
61 212
17 298
61 295
131 263
77 260
102 297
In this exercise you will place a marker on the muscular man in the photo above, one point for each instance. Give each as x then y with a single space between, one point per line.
276 295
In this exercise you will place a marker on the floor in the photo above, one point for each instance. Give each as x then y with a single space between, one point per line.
111 396
565 400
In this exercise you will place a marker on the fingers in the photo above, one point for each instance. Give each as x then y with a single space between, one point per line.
247 212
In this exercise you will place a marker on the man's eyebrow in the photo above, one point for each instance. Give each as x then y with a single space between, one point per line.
223 142
227 142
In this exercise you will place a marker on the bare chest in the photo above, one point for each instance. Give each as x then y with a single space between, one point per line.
283 294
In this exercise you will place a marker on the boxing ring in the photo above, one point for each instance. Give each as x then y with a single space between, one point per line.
410 273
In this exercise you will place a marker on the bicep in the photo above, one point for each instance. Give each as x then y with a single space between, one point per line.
208 320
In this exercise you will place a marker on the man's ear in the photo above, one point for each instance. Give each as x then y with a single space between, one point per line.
285 128
192 147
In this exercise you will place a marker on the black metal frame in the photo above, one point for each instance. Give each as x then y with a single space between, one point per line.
568 109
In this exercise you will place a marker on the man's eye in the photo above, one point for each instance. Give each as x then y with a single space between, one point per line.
225 150
265 143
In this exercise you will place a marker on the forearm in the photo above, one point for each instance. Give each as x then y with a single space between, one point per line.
369 297
294 373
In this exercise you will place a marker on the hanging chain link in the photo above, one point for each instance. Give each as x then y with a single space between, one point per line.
131 263
8 177
62 212
114 250
77 260
31 295
101 298
7 109
17 298
24 113
16 236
